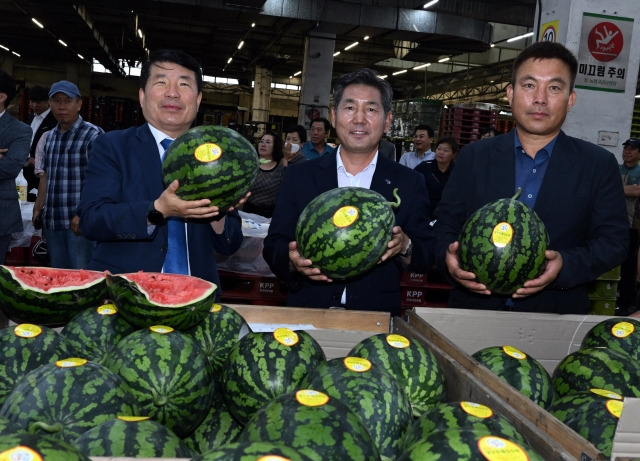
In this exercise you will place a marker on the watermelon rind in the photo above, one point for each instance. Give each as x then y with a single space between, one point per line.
253 451
55 299
211 162
345 231
135 438
48 447
620 334
138 306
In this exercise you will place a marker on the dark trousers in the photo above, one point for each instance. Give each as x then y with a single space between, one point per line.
629 273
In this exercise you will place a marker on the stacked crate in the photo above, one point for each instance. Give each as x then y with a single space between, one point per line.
602 293
424 289
465 124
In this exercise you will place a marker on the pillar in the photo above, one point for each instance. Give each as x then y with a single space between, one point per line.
261 101
316 78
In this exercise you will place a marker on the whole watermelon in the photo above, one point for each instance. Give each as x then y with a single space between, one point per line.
320 427
460 416
8 427
599 368
593 414
133 437
94 331
47 295
264 365
371 393
503 244
211 162
68 397
23 447
412 364
620 334
167 373
253 451
24 348
519 370
345 231
145 299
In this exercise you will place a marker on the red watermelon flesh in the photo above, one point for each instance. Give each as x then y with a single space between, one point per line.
50 280
171 289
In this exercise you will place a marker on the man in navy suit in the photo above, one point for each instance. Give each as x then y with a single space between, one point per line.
125 205
573 185
15 137
361 114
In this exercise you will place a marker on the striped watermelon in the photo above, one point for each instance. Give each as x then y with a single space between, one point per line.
622 335
264 365
48 296
320 427
146 299
211 162
134 437
468 445
519 370
167 373
599 368
412 364
68 397
24 348
94 331
460 416
253 451
8 427
371 393
20 447
503 244
345 231
593 414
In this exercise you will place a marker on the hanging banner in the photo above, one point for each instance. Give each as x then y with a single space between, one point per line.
603 59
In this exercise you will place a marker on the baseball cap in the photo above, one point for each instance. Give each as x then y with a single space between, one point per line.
66 87
633 142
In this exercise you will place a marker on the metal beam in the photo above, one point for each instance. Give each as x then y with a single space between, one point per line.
107 60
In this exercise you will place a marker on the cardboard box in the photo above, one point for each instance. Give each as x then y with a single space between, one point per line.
548 338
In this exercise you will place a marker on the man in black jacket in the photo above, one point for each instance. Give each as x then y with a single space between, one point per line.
41 120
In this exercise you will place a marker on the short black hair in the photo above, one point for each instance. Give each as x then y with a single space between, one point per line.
325 122
174 56
277 145
7 86
368 77
424 127
546 50
451 141
302 132
38 93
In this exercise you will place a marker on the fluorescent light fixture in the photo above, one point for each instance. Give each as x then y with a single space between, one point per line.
637 96
422 66
399 72
16 53
336 54
240 45
80 56
519 37
253 24
229 60
62 43
35 21
366 37
493 45
444 59
431 3
351 46
382 77
4 47
139 33
297 73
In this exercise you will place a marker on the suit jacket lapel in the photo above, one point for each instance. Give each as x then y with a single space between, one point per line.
146 154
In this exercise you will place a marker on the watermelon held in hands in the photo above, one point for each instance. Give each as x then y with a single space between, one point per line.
345 231
145 299
503 244
211 162
48 296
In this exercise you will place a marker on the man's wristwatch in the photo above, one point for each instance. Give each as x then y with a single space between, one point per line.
408 249
154 216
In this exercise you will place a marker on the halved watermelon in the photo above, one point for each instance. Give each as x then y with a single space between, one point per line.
49 296
145 299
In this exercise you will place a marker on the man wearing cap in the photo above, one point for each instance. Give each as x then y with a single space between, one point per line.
630 172
42 120
66 153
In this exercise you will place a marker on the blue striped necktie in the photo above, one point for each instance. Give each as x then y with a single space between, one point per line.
176 261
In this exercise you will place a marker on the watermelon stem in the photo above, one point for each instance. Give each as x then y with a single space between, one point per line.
396 204
42 426
518 192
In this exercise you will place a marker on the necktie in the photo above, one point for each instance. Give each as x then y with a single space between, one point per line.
177 260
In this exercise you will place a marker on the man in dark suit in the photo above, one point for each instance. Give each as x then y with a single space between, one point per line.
573 185
14 150
361 114
125 206
42 120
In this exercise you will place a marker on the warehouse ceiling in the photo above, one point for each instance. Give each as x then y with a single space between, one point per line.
401 35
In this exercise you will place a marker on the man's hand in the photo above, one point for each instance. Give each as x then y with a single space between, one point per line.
2 151
75 225
397 244
170 205
464 278
551 271
303 266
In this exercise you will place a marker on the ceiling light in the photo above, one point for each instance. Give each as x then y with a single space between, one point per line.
139 33
229 60
637 96
444 59
431 3
80 56
336 54
366 37
241 44
35 21
513 39
16 53
4 47
422 66
253 24
62 43
382 77
297 73
493 45
351 46
399 72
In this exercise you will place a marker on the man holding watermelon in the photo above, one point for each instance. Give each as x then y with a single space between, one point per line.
361 114
125 206
574 186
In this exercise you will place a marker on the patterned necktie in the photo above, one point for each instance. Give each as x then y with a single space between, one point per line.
177 260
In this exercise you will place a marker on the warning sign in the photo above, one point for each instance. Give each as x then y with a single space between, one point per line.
549 32
603 59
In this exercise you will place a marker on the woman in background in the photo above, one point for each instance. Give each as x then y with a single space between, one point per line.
437 171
